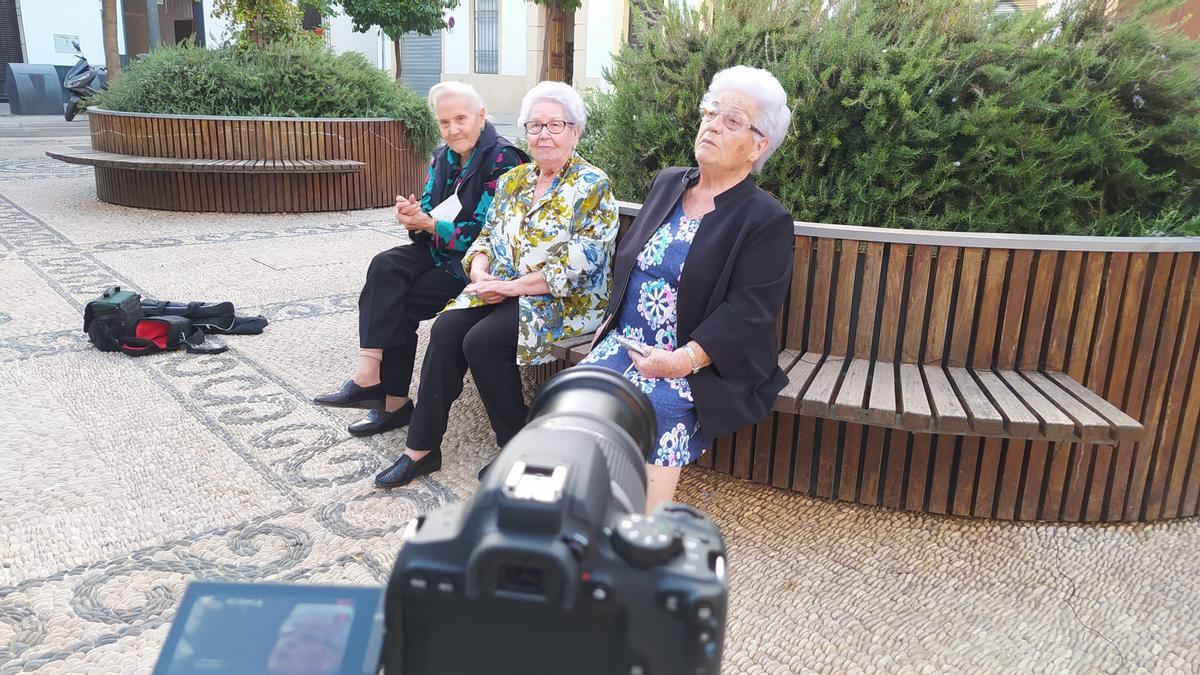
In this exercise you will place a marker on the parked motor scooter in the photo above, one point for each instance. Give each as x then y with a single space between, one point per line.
82 80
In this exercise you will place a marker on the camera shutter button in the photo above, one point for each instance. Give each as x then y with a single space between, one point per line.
644 542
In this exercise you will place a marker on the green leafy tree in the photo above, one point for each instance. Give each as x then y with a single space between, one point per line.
931 114
554 11
397 17
261 22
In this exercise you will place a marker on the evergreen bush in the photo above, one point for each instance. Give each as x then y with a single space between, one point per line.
930 114
281 79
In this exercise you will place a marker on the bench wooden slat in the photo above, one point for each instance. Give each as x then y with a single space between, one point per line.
849 403
787 359
112 160
985 419
580 350
1021 422
816 399
1056 424
881 409
914 404
798 378
948 411
561 350
1125 428
1091 427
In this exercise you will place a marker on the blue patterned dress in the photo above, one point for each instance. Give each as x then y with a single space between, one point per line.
647 315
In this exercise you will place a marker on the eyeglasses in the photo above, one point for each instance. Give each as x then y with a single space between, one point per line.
732 120
555 127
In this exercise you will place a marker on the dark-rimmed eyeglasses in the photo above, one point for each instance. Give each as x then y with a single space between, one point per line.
554 126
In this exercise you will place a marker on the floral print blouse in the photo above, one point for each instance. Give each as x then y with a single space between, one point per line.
569 235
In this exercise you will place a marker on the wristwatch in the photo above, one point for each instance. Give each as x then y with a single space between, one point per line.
693 358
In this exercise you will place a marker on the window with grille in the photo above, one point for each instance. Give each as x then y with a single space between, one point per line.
487 37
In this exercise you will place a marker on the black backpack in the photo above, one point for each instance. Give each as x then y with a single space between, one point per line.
115 321
111 317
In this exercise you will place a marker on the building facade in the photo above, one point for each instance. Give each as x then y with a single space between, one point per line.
497 45
41 31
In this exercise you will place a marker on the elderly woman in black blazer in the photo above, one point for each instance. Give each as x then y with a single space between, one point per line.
700 280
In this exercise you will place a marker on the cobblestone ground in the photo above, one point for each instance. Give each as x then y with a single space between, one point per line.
121 479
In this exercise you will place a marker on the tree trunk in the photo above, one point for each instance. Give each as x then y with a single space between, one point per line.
112 53
396 56
551 9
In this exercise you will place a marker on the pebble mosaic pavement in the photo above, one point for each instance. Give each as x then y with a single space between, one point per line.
121 479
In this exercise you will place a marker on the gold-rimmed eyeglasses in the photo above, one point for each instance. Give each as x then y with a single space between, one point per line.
732 120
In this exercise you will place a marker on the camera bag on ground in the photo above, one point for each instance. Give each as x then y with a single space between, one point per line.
156 334
111 317
217 318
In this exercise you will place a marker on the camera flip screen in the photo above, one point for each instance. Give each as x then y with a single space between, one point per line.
277 630
522 639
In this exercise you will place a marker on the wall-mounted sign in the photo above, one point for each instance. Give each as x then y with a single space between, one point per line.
64 44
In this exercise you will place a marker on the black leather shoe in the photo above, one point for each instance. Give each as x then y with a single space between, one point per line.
405 470
483 471
379 421
350 395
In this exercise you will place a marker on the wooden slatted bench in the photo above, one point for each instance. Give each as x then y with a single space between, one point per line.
112 160
998 376
936 399
248 164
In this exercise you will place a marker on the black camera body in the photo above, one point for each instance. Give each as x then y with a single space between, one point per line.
552 568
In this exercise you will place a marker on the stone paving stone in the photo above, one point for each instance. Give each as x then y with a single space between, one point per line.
253 272
35 308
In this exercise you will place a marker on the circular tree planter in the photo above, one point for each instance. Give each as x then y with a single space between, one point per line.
249 164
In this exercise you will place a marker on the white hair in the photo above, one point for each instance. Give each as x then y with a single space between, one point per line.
454 88
555 92
760 86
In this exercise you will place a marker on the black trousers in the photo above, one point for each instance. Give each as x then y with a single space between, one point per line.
403 288
484 340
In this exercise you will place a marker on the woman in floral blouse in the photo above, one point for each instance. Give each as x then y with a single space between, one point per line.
539 272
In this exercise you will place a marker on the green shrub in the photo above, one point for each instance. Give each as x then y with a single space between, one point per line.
931 114
278 80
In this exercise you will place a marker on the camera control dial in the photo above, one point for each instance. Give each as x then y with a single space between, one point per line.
644 541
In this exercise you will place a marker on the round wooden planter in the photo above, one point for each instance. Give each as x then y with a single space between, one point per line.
252 164
1119 316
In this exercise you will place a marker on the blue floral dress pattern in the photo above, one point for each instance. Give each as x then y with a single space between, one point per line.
647 315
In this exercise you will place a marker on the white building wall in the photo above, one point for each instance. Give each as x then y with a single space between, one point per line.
41 20
343 38
603 35
456 42
216 31
513 34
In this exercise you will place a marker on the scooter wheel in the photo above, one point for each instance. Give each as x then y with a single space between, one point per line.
72 108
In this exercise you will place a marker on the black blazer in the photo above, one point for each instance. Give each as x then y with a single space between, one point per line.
731 293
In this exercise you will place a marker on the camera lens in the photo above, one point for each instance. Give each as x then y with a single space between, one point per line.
615 412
